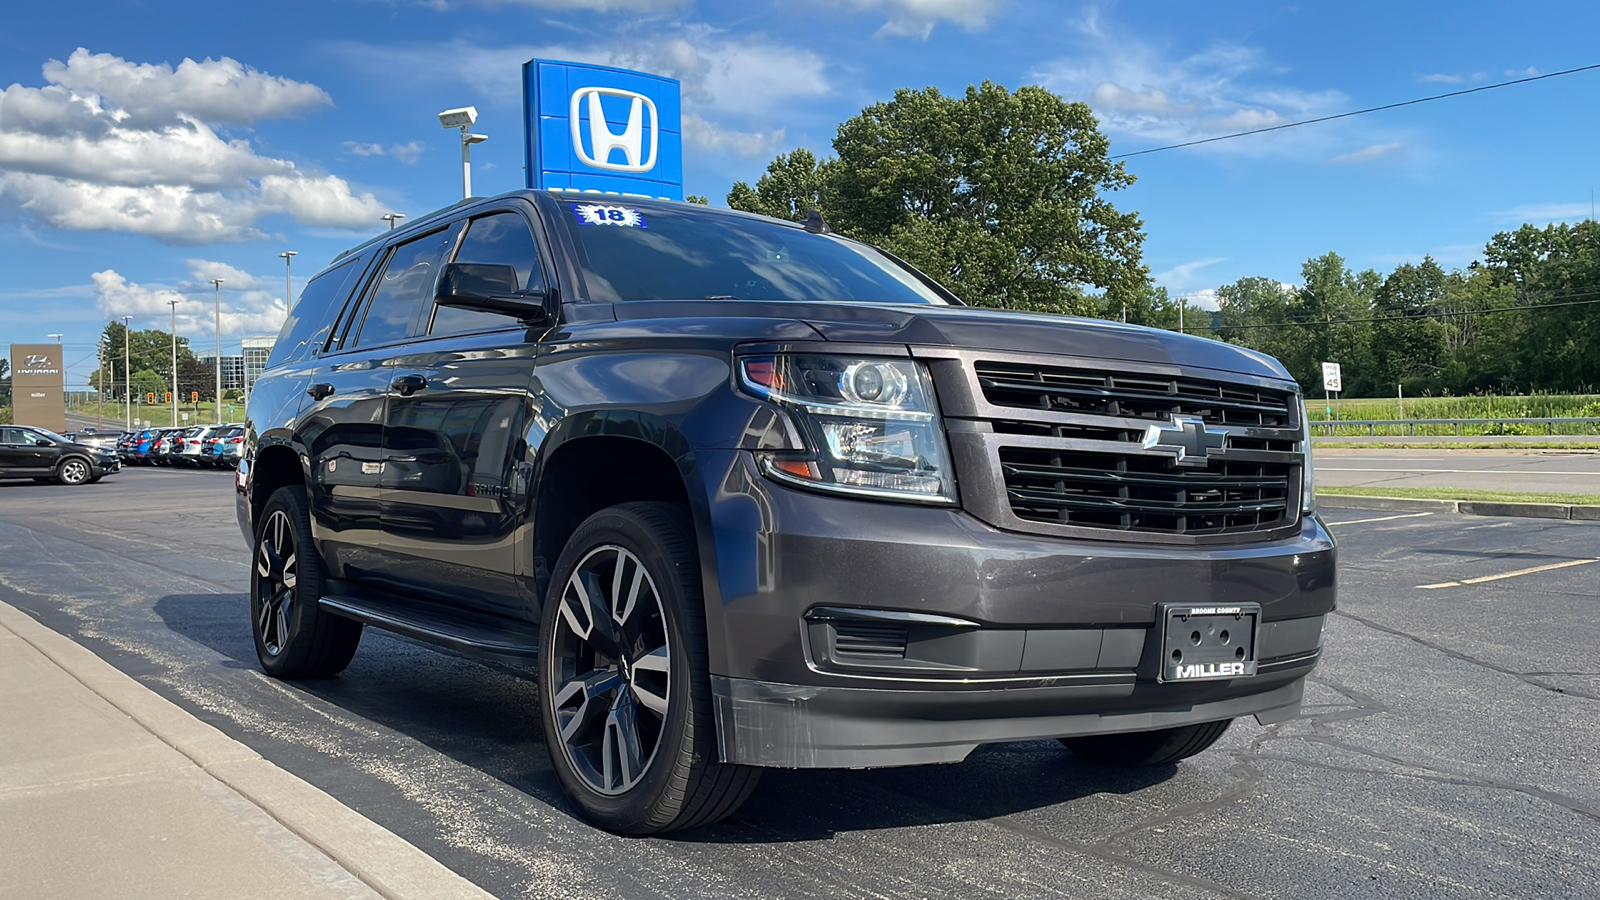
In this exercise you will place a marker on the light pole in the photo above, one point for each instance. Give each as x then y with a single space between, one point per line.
127 381
288 287
392 218
174 305
58 337
462 118
100 384
217 283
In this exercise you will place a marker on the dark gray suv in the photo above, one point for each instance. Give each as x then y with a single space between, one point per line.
745 493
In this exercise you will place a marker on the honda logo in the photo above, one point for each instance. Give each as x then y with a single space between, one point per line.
602 140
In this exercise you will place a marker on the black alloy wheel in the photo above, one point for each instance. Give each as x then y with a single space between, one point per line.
73 470
613 661
624 686
294 636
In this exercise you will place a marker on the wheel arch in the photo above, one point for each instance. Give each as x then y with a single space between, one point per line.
276 465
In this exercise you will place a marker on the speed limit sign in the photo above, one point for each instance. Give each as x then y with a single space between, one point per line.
1332 381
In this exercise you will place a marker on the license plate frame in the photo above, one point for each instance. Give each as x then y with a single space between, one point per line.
1208 641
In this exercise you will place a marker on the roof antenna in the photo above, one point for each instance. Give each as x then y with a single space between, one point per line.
815 223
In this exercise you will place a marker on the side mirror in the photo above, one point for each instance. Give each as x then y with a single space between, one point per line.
490 288
40 442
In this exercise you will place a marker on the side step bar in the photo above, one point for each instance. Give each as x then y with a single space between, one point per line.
473 633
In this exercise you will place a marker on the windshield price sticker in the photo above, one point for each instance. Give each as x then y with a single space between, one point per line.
598 214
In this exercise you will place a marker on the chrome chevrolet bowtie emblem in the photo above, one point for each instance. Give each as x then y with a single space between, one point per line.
1187 438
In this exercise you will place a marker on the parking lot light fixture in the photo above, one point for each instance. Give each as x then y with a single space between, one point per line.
392 218
127 382
58 337
462 118
217 283
288 287
174 305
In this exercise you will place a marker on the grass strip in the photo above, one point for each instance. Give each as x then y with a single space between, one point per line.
1420 493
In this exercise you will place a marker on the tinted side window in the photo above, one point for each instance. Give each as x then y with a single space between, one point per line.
502 240
406 285
310 320
10 435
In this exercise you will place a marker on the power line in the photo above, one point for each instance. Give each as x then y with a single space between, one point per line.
1359 112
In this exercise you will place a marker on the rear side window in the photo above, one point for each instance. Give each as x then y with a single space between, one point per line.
310 320
502 240
406 288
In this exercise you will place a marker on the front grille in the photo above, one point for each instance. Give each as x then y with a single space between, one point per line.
869 640
1066 450
1133 395
1138 493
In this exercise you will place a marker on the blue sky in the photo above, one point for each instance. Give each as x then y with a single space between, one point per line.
148 147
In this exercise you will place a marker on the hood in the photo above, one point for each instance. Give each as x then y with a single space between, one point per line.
974 328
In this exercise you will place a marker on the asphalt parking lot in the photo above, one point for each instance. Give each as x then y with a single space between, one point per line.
1533 471
1450 745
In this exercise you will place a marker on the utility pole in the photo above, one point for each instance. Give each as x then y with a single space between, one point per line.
174 305
127 381
100 379
217 283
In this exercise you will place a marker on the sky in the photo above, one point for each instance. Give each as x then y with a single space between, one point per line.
148 147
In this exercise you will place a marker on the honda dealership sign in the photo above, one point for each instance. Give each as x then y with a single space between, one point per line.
38 386
594 128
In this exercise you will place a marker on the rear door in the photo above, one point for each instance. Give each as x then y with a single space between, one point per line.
454 481
342 429
18 455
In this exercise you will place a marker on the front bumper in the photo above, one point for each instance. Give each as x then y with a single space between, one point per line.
1009 636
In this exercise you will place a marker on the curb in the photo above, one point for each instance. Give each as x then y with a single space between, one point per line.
385 862
1464 507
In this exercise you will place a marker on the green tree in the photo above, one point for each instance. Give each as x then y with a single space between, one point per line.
1408 343
1000 195
151 352
1254 312
791 188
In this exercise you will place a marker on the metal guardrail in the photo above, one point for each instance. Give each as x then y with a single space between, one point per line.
1410 425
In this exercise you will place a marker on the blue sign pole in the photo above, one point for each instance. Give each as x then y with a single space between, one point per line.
602 130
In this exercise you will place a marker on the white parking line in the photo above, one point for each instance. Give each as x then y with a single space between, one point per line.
1465 581
1382 519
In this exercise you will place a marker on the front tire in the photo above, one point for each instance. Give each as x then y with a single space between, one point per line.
1148 748
624 689
295 637
74 470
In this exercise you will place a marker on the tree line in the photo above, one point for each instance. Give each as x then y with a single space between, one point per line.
1003 196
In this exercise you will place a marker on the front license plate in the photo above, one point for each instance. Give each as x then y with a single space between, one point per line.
1208 642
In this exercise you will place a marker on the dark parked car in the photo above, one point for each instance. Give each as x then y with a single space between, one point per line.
43 455
744 493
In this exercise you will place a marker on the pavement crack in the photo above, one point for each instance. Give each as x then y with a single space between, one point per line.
1525 678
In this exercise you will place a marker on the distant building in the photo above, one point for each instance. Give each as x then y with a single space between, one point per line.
256 350
232 369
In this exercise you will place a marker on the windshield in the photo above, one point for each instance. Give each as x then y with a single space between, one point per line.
650 252
49 434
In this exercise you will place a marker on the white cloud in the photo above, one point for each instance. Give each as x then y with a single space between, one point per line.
1181 276
706 135
916 18
406 154
1544 213
1441 78
117 146
1141 90
221 90
637 6
1369 153
243 312
750 79
1206 298
236 279
1529 72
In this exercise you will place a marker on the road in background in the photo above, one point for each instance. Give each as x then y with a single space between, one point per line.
1565 472
1449 744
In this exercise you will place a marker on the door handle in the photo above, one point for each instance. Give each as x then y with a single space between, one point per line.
409 384
320 390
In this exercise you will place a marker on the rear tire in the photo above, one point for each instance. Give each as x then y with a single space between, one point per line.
624 689
1147 748
295 637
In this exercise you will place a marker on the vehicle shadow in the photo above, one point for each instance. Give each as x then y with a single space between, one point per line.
485 716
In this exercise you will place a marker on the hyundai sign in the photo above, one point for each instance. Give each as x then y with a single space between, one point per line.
594 128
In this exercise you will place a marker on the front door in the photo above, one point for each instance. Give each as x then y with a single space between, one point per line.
454 485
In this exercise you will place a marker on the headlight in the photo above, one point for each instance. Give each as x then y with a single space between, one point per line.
1308 494
870 425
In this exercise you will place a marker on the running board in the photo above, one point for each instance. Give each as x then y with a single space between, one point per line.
466 631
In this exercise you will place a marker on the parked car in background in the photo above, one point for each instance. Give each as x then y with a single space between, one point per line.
92 437
44 456
225 445
190 447
165 447
138 447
